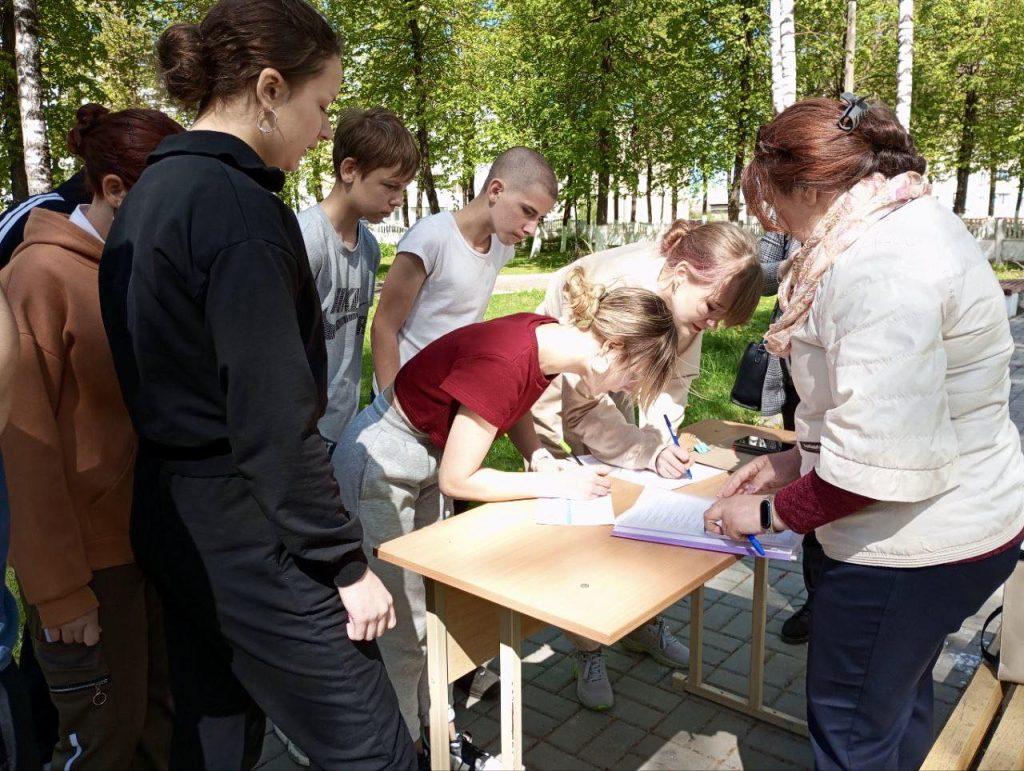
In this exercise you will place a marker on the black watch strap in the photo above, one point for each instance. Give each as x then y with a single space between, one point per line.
766 514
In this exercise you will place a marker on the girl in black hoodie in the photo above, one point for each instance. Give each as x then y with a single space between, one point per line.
215 326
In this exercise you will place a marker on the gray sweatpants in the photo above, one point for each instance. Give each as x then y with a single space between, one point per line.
387 472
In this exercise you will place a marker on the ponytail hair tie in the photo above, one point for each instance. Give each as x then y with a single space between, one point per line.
856 108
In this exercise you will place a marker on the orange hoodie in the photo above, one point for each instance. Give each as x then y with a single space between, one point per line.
69 449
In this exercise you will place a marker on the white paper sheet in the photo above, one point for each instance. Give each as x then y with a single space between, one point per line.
650 479
668 512
678 518
565 511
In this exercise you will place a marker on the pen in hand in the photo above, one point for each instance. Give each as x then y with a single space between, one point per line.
753 542
757 545
568 449
675 440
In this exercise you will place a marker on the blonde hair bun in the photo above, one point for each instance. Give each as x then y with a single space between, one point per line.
582 299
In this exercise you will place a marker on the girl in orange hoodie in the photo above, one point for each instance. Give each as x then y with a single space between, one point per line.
69 452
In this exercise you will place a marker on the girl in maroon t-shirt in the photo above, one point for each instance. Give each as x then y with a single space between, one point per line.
426 437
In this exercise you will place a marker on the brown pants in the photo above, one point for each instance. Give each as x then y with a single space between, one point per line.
113 697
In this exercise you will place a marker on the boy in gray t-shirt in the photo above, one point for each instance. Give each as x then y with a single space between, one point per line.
375 158
345 279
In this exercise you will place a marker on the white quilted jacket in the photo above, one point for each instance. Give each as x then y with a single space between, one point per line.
903 375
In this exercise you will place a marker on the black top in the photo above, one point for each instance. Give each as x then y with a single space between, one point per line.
64 199
214 322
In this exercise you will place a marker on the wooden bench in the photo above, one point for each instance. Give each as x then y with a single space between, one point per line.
988 710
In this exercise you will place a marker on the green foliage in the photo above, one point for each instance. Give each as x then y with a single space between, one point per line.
601 87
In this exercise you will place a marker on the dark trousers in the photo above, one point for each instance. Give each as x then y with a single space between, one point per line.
876 633
251 632
44 714
112 697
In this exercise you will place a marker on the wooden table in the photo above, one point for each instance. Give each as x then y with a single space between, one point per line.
493 568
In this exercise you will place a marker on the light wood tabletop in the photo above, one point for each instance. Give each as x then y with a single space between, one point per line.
494 575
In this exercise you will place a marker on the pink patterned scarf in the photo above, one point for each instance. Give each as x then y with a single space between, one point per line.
850 216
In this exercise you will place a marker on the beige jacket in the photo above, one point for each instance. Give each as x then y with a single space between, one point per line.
903 373
606 426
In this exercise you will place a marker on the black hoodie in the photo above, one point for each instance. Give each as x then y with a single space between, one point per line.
214 321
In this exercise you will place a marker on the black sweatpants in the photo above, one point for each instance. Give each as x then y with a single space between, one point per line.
251 631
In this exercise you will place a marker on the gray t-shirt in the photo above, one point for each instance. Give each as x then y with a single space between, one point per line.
345 280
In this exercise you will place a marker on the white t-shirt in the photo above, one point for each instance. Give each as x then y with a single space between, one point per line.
458 285
78 217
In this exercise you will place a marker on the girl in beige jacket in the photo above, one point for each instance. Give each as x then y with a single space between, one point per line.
709 275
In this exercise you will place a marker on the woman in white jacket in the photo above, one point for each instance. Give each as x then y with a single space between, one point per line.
908 466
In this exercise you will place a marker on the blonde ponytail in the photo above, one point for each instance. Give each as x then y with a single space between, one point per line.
637 321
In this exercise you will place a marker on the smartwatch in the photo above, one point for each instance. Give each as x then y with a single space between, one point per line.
766 516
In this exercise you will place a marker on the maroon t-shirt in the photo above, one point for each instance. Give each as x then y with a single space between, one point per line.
491 367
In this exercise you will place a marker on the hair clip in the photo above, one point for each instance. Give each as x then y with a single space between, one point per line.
856 108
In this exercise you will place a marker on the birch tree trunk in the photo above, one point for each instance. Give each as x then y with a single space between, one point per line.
851 44
775 22
10 117
788 52
30 97
783 54
905 63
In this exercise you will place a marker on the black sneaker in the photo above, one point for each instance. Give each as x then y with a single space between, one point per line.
465 756
797 628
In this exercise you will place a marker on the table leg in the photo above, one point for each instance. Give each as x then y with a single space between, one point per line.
758 619
437 675
753 702
511 689
696 673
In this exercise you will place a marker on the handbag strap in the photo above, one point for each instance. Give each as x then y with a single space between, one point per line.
993 658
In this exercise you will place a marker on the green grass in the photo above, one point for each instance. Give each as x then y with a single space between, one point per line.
544 262
709 394
1008 270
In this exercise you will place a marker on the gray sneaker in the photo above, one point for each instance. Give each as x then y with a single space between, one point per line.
593 688
660 644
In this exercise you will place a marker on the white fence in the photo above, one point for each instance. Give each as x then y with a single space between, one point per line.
1001 238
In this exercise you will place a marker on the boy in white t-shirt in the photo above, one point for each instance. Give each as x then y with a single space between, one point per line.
446 265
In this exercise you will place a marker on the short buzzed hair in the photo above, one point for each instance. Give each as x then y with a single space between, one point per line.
520 167
375 138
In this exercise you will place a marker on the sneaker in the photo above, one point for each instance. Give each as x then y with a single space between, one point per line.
660 644
593 688
293 749
797 628
465 756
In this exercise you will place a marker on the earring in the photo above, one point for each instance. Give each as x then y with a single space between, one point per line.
599 364
264 122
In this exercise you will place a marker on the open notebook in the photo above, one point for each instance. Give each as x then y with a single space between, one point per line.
663 516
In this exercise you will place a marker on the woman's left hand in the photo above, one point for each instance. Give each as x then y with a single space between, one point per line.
735 517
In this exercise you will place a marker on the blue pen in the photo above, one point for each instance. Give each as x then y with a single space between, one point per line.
757 545
675 440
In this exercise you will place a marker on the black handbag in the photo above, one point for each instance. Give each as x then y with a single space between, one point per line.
750 374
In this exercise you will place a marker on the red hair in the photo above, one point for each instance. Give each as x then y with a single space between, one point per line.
117 142
803 146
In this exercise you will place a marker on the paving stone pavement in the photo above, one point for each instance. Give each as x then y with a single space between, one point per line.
654 725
